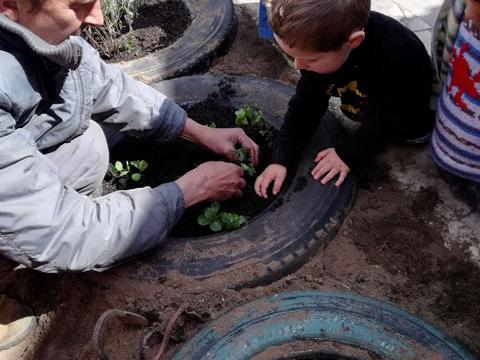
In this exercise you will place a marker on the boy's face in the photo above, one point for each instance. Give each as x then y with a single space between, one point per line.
319 62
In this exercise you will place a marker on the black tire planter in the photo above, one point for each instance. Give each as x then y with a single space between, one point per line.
378 327
209 36
304 217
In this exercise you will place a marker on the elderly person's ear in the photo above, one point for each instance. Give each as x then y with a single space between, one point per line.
9 8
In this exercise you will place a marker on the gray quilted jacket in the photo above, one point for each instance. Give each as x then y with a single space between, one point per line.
48 94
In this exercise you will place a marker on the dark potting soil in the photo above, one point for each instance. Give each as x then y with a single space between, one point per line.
159 23
167 162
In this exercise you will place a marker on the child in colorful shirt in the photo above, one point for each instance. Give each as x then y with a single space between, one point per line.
456 138
379 69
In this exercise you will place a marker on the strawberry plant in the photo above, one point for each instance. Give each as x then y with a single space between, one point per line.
220 220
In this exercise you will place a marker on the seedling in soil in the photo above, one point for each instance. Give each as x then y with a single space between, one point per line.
133 169
251 116
243 159
212 125
220 220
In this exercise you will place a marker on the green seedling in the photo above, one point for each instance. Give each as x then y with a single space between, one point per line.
247 115
218 220
134 169
212 125
243 159
243 116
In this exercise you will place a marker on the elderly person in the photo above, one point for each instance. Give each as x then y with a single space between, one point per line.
54 90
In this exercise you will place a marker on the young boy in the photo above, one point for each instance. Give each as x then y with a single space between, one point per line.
379 69
456 137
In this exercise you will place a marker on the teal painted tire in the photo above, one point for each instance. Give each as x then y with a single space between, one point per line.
375 326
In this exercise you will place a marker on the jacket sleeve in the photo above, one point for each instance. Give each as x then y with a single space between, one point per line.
303 116
47 225
130 106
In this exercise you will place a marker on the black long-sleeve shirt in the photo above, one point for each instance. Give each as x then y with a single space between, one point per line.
385 84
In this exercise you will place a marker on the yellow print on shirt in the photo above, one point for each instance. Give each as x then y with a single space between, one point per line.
353 99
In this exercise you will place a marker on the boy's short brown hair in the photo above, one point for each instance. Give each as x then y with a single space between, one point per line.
318 25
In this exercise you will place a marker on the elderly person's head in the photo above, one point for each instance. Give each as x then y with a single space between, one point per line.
53 20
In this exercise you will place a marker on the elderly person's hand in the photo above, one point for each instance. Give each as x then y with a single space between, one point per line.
213 180
221 141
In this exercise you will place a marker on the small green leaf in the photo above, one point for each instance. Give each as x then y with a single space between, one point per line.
216 206
248 112
141 165
202 220
249 170
118 166
258 118
215 225
241 154
242 219
226 217
136 176
240 113
241 117
123 173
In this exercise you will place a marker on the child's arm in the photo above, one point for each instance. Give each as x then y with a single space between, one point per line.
305 110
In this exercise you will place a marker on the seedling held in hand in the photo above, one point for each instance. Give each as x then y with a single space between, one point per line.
218 220
243 160
135 170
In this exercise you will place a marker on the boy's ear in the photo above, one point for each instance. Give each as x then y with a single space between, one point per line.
9 8
355 39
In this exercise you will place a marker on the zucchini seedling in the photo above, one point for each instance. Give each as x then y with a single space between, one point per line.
220 220
132 169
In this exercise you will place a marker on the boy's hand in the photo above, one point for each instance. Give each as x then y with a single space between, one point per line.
330 165
273 172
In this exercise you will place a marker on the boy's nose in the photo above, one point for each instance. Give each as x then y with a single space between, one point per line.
299 64
94 16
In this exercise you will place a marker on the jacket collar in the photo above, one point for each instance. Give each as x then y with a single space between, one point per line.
67 54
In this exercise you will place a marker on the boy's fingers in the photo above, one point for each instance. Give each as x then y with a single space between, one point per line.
256 186
341 178
277 185
329 176
321 155
317 168
263 188
322 171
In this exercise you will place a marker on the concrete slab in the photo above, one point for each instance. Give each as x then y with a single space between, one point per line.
425 9
400 13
